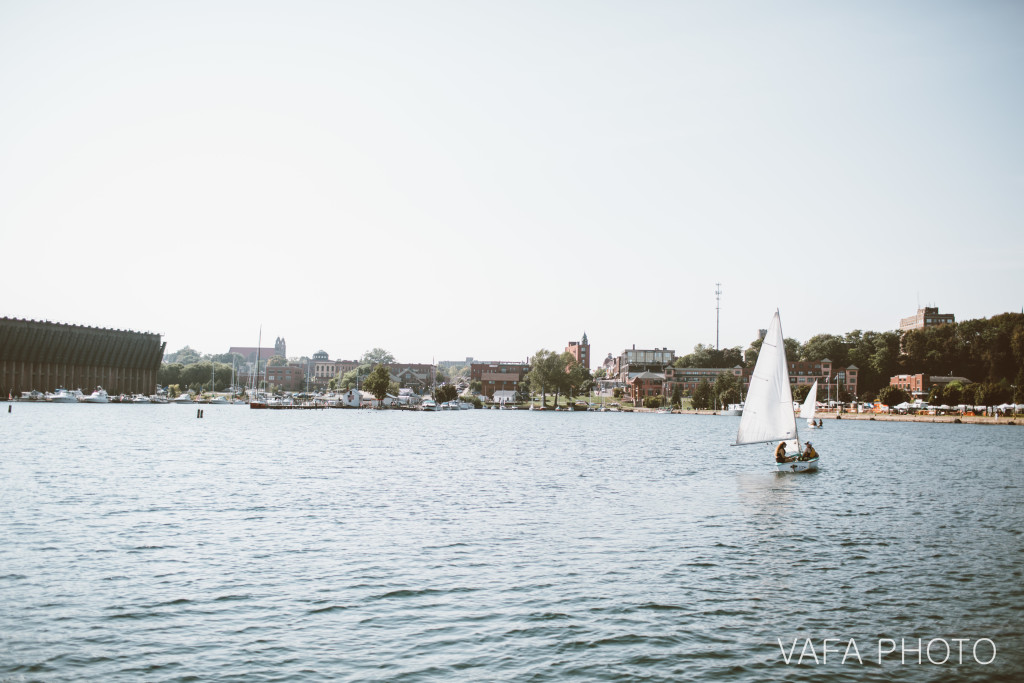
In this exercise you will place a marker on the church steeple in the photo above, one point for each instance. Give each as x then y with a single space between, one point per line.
585 337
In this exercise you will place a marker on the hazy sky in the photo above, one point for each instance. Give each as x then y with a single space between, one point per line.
452 179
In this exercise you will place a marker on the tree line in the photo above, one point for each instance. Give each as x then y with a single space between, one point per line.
989 352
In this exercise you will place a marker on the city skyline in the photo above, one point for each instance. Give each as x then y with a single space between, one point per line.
460 180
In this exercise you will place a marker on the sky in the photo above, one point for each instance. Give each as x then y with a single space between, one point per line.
453 179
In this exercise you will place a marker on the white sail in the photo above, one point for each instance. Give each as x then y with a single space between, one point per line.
807 409
768 412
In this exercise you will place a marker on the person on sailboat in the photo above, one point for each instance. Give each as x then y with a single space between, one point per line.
780 453
809 452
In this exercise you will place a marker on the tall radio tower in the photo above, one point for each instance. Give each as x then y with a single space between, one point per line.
718 298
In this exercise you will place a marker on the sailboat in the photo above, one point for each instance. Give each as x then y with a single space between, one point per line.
768 413
257 401
807 409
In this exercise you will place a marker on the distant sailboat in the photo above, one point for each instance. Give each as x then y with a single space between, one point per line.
807 409
768 413
257 401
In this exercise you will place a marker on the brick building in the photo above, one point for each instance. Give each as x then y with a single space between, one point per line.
580 350
251 352
286 377
643 384
920 385
498 376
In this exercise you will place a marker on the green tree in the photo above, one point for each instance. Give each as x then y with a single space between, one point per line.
377 356
653 401
476 386
378 382
543 374
726 389
229 358
703 398
169 373
677 396
892 396
186 356
277 360
707 356
352 378
822 346
792 347
578 380
446 392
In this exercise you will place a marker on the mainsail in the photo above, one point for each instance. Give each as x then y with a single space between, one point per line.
807 409
768 411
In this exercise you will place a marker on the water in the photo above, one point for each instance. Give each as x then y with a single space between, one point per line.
141 543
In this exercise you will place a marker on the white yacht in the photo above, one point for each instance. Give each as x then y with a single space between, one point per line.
62 395
98 396
183 398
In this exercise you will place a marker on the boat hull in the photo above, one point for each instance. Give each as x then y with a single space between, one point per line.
798 466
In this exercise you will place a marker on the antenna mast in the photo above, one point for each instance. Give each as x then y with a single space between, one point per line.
718 297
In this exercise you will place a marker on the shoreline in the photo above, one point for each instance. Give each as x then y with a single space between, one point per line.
882 417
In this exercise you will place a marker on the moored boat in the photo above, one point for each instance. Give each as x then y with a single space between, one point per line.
98 396
62 395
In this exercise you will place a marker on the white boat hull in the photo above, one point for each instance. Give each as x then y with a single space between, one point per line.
798 466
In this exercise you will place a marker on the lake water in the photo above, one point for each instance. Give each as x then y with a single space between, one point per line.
141 543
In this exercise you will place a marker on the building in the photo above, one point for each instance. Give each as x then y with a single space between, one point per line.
635 361
926 317
580 350
250 353
446 364
498 376
286 377
920 385
322 369
44 356
687 379
800 372
643 384
416 376
824 372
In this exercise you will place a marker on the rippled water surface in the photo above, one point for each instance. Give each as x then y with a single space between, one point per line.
141 543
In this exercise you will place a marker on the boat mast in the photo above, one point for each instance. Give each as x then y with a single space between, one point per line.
718 298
